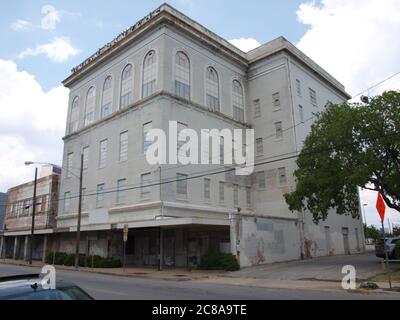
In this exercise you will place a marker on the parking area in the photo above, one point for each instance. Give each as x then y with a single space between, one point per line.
322 269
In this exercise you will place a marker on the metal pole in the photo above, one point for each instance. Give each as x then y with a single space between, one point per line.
78 229
124 255
160 267
386 257
33 218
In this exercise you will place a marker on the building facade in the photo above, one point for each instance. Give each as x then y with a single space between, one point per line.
166 68
18 216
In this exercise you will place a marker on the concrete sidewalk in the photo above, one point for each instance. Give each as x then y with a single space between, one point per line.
140 272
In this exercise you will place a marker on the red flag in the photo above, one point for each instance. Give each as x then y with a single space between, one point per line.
380 206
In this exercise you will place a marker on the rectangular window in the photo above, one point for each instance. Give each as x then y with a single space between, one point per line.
181 126
181 185
261 179
146 141
70 159
207 186
149 88
257 108
67 201
212 102
313 97
222 191
282 176
298 87
235 195
100 195
276 100
89 118
121 185
301 113
259 146
278 130
123 146
248 196
103 154
85 153
145 180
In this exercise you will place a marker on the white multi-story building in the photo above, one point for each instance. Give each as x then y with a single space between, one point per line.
167 68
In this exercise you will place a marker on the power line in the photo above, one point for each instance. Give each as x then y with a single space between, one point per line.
377 84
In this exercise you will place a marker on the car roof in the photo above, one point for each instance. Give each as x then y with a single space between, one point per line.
16 285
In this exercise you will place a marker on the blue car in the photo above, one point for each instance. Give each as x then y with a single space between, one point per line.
29 287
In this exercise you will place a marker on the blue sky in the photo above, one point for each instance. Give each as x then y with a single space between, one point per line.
43 40
90 24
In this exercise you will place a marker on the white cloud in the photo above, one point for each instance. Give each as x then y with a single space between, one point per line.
58 50
21 25
245 44
356 41
51 17
31 125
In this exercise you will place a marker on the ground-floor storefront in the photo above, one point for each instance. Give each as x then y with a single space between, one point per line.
175 246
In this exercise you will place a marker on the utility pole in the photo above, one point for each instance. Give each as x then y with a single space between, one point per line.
33 218
78 229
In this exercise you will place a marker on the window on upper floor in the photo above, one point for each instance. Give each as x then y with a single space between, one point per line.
83 204
261 179
181 139
278 130
85 153
123 146
100 195
67 201
121 185
313 97
103 154
276 100
146 139
149 74
207 187
221 191
74 116
126 87
145 180
301 113
298 87
70 159
212 89
235 195
257 108
248 196
259 147
106 105
90 106
182 75
282 176
238 101
181 185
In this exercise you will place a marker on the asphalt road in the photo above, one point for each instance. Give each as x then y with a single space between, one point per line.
105 287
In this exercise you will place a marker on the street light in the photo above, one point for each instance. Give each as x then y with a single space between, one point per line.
28 163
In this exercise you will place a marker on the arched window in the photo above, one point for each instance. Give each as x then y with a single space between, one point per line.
238 101
90 104
126 87
74 116
106 106
182 75
149 74
212 89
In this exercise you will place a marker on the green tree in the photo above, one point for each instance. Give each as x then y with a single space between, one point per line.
371 232
396 231
350 145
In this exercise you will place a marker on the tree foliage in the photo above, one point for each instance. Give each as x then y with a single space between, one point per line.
371 232
350 145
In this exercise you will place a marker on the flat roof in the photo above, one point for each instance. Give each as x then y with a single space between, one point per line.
167 13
